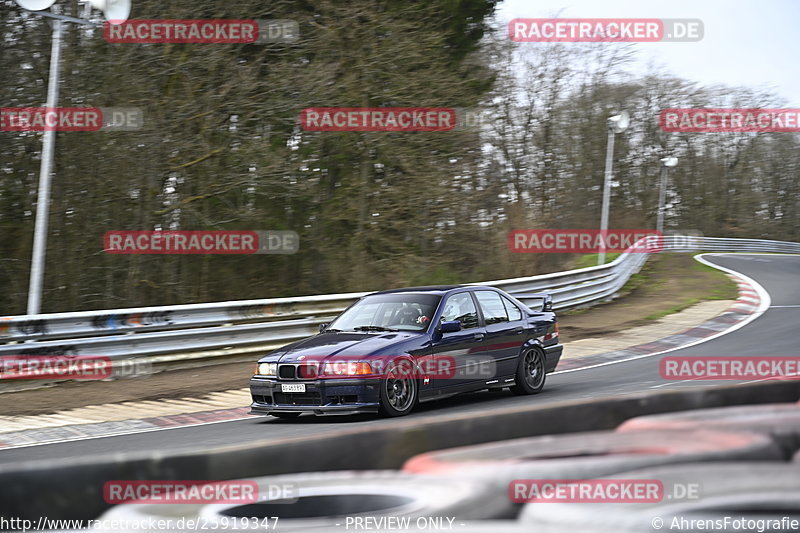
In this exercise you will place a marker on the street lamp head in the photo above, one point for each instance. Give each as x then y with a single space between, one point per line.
670 161
116 11
619 123
35 5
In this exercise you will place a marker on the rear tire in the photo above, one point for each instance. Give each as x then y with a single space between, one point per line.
530 376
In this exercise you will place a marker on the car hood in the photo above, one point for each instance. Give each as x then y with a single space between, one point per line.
340 344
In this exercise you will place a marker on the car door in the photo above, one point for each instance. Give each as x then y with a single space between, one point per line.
505 330
458 349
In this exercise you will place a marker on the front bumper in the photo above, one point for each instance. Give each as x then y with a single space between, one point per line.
356 395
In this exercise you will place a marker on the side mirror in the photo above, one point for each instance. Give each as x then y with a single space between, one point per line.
450 326
547 306
324 326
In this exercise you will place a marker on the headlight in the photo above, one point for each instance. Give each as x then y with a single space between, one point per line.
267 369
347 368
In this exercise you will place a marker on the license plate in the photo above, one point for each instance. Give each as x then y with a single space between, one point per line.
293 387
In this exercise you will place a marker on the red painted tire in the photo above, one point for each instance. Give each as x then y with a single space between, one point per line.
779 421
596 453
589 455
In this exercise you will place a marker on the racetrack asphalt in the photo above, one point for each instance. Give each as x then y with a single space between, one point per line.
771 334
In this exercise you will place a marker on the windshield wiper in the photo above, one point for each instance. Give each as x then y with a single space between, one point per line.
373 328
331 330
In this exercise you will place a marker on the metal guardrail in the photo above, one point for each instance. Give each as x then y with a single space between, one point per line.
171 333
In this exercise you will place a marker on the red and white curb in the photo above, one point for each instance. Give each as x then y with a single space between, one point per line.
54 435
123 418
749 300
753 301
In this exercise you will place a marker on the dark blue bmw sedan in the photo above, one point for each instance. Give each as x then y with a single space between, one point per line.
391 350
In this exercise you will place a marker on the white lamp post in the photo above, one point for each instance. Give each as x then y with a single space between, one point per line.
666 164
616 124
116 11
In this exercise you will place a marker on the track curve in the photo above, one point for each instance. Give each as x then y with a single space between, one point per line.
771 334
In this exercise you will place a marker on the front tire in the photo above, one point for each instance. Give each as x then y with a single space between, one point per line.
399 392
530 376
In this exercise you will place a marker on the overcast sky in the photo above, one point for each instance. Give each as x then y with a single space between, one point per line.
753 43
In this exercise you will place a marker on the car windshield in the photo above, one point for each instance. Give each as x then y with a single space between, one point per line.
389 312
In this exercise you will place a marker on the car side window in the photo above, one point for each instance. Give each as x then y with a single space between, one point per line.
461 307
513 311
492 306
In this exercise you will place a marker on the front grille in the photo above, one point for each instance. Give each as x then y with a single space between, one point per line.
286 371
298 398
298 371
308 371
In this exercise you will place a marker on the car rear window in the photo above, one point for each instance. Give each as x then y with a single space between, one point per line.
492 306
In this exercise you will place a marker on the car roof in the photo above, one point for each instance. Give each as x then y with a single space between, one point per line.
437 289
440 289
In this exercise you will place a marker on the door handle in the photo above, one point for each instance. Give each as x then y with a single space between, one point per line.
478 336
518 329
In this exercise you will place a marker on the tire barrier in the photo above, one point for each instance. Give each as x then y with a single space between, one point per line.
71 487
779 421
319 499
588 455
601 451
747 492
